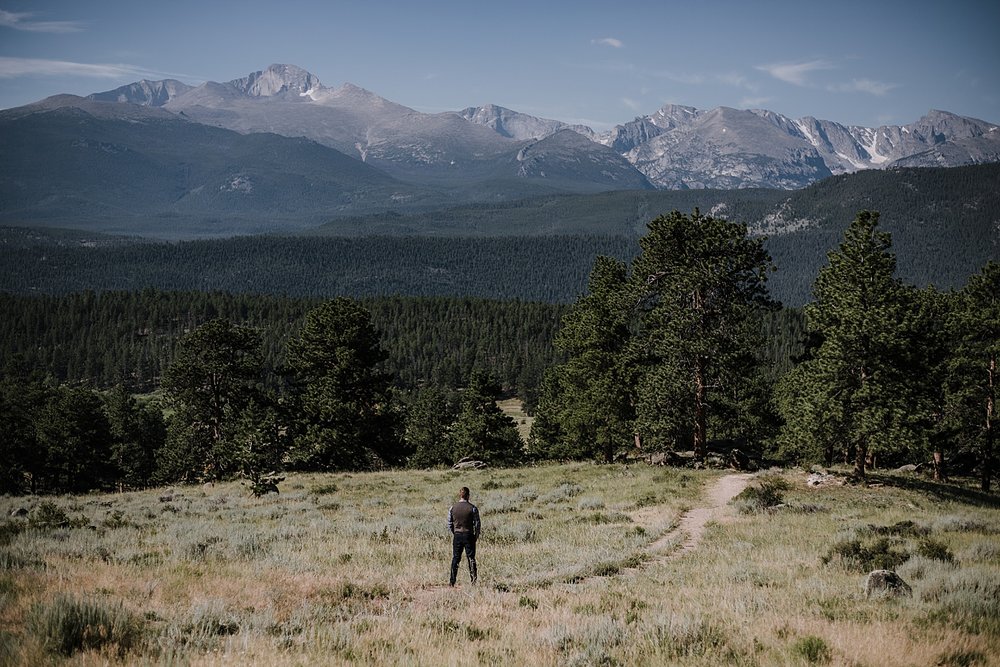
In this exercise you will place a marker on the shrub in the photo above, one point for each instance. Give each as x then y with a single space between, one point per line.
251 546
813 649
502 505
767 491
930 548
647 499
857 556
208 620
8 531
689 637
507 534
562 492
67 625
323 489
525 601
900 529
590 504
50 515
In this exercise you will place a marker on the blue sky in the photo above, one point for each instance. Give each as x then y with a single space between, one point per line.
599 63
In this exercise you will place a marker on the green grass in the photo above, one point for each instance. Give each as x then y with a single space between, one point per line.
353 568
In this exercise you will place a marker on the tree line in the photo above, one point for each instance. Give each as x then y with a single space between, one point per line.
224 412
680 347
108 338
662 355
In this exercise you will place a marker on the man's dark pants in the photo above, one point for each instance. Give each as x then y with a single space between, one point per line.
466 542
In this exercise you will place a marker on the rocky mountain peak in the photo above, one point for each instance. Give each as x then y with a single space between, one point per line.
516 125
144 93
275 80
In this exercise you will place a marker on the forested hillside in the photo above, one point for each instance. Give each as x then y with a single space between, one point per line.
551 269
945 225
131 337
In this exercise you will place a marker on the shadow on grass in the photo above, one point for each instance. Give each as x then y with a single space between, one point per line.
940 490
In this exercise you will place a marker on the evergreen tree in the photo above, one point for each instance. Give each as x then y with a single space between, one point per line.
699 284
429 419
343 398
929 351
973 371
587 406
216 376
20 402
854 390
482 430
138 432
75 441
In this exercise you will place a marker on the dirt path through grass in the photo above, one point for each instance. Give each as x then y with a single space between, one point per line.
692 524
676 542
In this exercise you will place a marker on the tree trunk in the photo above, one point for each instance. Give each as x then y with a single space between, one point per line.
860 456
987 476
938 465
699 410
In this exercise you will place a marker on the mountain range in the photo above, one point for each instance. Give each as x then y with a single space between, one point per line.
675 147
278 150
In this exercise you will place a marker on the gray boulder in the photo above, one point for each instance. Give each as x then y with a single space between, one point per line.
886 583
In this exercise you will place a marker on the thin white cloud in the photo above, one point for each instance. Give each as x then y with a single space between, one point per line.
869 86
11 68
795 73
608 41
631 104
734 79
753 102
22 21
679 77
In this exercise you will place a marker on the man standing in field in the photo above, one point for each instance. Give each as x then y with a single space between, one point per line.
463 523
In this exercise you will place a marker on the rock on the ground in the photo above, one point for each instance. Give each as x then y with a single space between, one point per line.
886 583
822 479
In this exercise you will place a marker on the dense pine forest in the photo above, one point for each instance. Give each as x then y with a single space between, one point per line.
71 365
942 221
103 339
127 362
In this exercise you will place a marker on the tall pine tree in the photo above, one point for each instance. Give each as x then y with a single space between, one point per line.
699 286
853 392
213 381
587 406
975 325
340 392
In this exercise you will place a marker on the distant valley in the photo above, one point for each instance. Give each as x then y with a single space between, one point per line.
945 225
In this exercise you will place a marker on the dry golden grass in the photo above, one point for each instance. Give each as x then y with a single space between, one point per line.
514 408
350 569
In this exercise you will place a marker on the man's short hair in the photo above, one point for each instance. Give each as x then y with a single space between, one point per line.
463 493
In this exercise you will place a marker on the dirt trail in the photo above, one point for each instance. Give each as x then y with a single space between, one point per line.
674 543
693 522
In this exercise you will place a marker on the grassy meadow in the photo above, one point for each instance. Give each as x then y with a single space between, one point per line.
352 568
